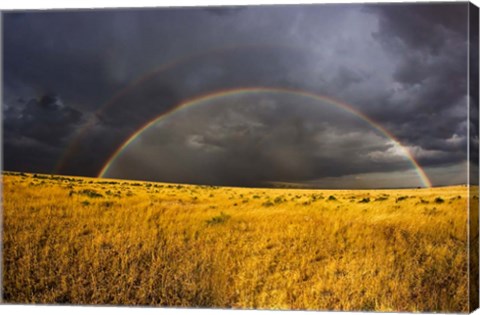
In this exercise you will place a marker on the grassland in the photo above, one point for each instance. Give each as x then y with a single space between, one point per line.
97 241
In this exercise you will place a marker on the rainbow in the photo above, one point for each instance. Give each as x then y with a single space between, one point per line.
239 91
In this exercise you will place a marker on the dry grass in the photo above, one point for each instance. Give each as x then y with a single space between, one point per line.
96 241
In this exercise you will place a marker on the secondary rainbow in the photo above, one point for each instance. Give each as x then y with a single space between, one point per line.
201 99
171 65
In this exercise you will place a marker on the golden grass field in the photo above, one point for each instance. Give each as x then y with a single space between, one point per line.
98 241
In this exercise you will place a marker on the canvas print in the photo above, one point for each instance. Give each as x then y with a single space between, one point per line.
282 157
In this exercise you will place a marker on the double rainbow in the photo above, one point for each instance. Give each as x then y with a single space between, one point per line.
198 101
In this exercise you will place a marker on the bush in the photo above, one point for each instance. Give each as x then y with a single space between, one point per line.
40 176
439 200
91 193
218 219
401 198
331 197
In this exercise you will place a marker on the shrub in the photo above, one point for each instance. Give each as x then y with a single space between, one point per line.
401 198
40 176
331 197
439 200
91 193
218 219
364 200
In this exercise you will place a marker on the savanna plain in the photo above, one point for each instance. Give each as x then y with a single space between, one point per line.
74 240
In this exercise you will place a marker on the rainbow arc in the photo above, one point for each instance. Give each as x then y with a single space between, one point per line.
204 99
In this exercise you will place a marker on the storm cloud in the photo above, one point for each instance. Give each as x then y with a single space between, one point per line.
78 84
260 137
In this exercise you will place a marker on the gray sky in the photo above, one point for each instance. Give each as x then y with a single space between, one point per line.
78 84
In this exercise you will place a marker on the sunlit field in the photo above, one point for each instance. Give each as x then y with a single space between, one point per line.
97 241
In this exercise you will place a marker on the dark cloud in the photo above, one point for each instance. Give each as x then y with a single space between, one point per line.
37 130
253 138
46 120
427 27
223 10
95 77
428 44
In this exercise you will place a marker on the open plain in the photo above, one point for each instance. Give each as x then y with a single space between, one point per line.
96 241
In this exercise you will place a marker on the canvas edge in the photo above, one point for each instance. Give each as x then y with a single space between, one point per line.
473 110
1 155
473 150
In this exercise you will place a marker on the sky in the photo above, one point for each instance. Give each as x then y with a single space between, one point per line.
326 95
